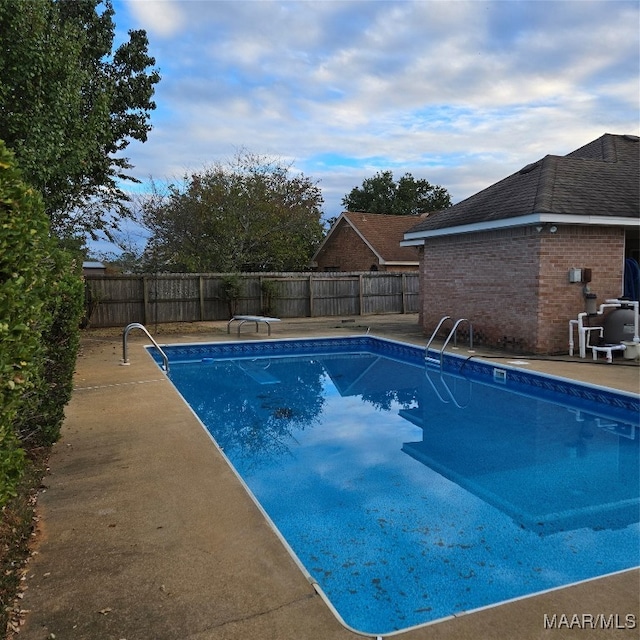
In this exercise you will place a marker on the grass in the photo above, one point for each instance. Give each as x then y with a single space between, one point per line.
17 530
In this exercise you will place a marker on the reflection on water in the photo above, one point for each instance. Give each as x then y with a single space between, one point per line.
409 495
254 407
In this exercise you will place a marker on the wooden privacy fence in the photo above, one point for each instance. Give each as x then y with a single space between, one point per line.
121 299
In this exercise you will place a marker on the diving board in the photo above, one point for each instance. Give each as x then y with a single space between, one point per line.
257 319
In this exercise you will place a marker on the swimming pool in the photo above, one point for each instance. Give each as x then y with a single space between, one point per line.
409 495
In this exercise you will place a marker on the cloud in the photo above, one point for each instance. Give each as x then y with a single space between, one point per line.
163 18
461 93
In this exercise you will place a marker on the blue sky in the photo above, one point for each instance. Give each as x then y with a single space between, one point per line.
461 93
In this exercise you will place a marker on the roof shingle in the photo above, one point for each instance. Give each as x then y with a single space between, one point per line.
601 178
384 233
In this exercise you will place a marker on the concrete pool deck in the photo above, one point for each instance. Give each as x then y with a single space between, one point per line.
146 534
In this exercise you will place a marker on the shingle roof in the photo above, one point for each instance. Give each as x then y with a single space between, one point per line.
601 178
383 233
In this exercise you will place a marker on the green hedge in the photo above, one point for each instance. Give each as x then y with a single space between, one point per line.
40 307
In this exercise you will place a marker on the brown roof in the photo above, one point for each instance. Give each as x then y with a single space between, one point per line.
602 178
383 234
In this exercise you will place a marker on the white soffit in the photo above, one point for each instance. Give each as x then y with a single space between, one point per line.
417 238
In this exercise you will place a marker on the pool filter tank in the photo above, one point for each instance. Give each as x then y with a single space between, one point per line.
618 326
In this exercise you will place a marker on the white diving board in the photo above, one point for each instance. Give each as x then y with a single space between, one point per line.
257 319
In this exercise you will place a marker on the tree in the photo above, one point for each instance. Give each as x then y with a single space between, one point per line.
407 197
69 105
249 214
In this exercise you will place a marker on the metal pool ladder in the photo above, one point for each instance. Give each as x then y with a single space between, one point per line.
452 334
137 325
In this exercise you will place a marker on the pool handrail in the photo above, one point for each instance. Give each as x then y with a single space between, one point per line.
452 334
138 325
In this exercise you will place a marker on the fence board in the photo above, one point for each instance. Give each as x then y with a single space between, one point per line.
119 300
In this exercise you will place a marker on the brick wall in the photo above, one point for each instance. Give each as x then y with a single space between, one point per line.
513 284
346 251
600 249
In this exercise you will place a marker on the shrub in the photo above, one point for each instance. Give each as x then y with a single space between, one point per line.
40 421
40 308
24 248
232 286
270 293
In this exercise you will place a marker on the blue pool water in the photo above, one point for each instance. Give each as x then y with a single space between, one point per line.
409 495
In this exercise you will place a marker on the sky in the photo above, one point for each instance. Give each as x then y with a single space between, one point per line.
461 93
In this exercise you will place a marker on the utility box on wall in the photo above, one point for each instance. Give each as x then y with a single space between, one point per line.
575 275
579 275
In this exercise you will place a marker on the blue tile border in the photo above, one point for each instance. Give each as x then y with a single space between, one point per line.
580 395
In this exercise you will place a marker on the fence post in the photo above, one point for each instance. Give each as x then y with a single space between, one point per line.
145 299
201 293
360 293
311 295
404 293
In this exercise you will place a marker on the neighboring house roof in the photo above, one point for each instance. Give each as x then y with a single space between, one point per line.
92 265
596 184
381 233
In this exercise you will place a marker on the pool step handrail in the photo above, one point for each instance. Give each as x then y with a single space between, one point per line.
125 334
435 331
452 334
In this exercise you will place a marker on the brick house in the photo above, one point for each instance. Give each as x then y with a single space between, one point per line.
367 242
502 257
